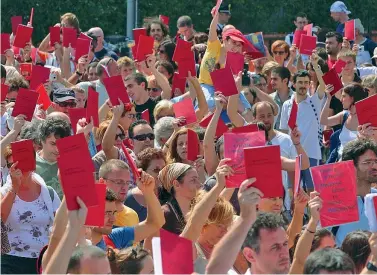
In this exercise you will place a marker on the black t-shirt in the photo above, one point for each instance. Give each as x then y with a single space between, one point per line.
337 106
150 104
105 53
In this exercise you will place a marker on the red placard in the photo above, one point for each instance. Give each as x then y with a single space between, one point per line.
116 90
336 183
250 128
297 174
137 33
349 30
5 42
131 162
23 36
39 75
178 83
223 81
297 37
54 35
92 107
235 62
309 29
327 134
75 114
293 116
144 47
4 91
69 37
192 145
145 115
96 214
221 127
15 21
339 66
43 98
82 48
23 152
185 109
187 65
25 103
182 50
331 77
307 44
217 7
164 19
366 110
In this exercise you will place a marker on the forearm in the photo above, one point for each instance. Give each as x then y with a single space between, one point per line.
305 163
202 102
322 84
227 193
65 64
210 157
163 82
109 136
232 111
325 113
102 112
73 79
212 35
165 148
10 137
295 226
6 204
43 47
155 214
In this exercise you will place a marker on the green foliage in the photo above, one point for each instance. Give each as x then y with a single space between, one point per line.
247 15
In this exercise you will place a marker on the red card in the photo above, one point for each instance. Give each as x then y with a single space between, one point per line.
185 109
144 47
297 37
250 128
25 103
31 16
192 145
131 162
331 77
234 145
43 98
221 127
92 107
307 44
349 30
76 171
5 42
23 152
69 37
137 33
264 164
235 62
327 134
96 214
297 174
39 75
23 36
309 29
217 7
75 114
223 81
25 70
176 254
339 66
4 91
164 19
116 90
84 36
145 115
293 116
178 83
336 183
187 65
182 50
82 48
15 20
366 110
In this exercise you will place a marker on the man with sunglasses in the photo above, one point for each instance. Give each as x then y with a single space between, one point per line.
100 51
141 135
63 99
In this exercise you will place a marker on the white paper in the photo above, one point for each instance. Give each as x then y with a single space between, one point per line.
157 258
370 212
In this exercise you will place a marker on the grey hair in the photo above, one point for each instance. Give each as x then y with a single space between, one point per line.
163 129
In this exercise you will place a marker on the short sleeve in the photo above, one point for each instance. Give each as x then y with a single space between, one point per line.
214 46
122 237
284 116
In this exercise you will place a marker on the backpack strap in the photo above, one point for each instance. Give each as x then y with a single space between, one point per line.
345 116
51 192
334 230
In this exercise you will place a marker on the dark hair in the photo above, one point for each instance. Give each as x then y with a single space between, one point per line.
134 124
200 38
263 76
322 64
60 128
328 260
356 245
283 73
169 50
268 221
129 260
30 131
184 21
92 65
356 91
300 73
168 66
200 132
356 148
164 29
3 73
80 252
219 142
110 195
138 78
146 156
301 14
17 82
323 55
338 36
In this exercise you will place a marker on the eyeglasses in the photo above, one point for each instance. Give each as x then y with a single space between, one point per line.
121 136
67 104
155 90
9 164
119 182
9 100
279 52
143 137
369 162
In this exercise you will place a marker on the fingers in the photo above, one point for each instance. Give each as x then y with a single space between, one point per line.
13 167
81 203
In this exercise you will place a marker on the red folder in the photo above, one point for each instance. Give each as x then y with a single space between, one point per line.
185 109
336 184
187 65
331 77
69 37
297 175
234 145
43 98
131 162
235 62
84 36
96 214
4 91
145 115
176 254
144 47
75 114
23 36
309 29
192 145
5 42
39 75
221 127
137 33
92 107
25 103
223 81
164 19
297 37
23 152
339 66
26 70
366 110
82 48
116 90
250 128
307 44
327 134
293 115
178 83
349 30
182 50
15 21
264 164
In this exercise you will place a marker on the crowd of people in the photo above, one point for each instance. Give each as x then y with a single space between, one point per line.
234 230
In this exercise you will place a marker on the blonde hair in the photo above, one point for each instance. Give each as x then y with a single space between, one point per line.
100 133
347 53
78 90
72 20
125 61
370 81
162 105
268 67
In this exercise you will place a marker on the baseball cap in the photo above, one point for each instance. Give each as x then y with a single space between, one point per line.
234 34
375 53
339 6
63 94
225 8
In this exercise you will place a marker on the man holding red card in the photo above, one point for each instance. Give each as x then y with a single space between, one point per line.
100 51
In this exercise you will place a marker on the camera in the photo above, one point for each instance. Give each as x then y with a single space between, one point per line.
245 76
53 77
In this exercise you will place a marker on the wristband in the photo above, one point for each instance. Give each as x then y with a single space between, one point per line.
12 191
310 231
371 267
78 73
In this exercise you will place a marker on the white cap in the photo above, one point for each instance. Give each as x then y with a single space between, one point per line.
339 6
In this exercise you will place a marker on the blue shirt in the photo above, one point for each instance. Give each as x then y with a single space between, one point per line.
122 237
340 28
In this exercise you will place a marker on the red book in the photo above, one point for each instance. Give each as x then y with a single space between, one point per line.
221 127
15 21
75 114
327 134
5 42
145 115
336 183
116 90
23 36
178 83
25 103
96 214
176 254
235 62
366 110
297 37
43 98
26 70
349 30
82 48
331 77
309 29
234 145
39 75
92 107
293 116
4 91
23 152
192 145
182 50
307 44
131 162
165 19
185 109
223 81
144 47
84 36
187 65
137 33
250 128
264 164
69 37
297 174
339 66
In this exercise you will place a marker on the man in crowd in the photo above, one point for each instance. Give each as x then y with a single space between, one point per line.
141 135
88 260
300 21
366 45
185 28
100 51
63 99
333 46
157 30
339 13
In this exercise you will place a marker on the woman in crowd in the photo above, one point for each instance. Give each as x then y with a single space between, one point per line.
132 260
280 52
166 68
163 108
370 83
165 52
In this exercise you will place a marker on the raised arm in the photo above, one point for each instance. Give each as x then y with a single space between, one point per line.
161 80
232 108
296 137
212 36
19 121
202 102
292 56
296 224
319 74
324 118
108 140
65 65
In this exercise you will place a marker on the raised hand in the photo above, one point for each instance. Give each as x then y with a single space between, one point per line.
315 205
15 175
19 121
249 197
223 170
76 218
146 183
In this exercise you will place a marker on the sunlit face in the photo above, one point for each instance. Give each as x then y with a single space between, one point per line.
265 114
119 137
300 22
350 65
156 32
271 205
280 55
134 90
80 100
162 70
153 89
347 101
186 31
155 166
302 85
65 106
143 137
367 167
126 71
332 46
262 85
212 233
110 212
92 74
162 55
190 185
49 148
276 82
118 181
113 69
126 120
182 146
233 46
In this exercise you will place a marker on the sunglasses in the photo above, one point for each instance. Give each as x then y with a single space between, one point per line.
155 90
121 136
144 137
279 53
9 164
67 104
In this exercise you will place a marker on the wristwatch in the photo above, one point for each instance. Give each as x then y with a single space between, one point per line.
371 267
78 73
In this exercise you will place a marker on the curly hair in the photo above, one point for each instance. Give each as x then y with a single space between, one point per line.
146 156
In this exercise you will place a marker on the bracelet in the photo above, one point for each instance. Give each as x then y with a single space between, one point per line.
12 191
166 145
296 144
78 73
310 231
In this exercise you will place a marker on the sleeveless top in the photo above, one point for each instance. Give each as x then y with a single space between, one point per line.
345 136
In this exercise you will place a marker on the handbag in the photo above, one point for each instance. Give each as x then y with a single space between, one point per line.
5 246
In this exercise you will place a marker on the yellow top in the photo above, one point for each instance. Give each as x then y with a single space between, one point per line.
211 57
128 217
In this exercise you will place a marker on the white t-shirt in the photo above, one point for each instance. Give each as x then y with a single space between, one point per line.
365 71
100 88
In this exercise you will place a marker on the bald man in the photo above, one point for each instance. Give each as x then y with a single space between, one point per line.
59 115
100 51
